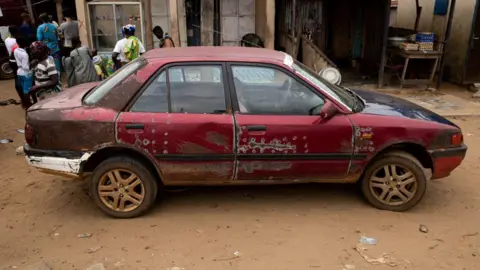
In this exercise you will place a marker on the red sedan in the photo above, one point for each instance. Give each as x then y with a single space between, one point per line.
235 116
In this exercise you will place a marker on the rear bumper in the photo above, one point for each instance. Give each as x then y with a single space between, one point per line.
56 162
447 160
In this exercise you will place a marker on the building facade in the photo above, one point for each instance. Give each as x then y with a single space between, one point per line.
188 22
462 55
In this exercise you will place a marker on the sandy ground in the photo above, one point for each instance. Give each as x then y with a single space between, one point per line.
281 227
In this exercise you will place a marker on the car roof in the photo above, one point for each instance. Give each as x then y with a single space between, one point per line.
217 52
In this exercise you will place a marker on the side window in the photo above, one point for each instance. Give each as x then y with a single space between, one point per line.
154 98
268 91
193 89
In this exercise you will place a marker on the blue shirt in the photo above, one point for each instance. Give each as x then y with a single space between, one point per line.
47 33
28 30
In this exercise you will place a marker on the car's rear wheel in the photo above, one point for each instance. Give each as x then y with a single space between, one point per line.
123 187
395 181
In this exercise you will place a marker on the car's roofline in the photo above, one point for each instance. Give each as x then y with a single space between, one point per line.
230 53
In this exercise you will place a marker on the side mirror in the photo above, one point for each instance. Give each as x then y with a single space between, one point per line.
328 110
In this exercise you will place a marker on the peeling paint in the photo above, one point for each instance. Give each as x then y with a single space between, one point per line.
58 165
251 167
273 145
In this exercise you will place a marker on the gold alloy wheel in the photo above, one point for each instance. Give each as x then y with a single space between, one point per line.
121 190
393 185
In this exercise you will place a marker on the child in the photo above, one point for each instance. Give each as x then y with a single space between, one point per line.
46 74
104 67
24 74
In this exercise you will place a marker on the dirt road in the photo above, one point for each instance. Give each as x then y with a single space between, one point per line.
286 227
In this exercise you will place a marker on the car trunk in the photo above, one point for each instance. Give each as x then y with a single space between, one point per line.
69 98
62 122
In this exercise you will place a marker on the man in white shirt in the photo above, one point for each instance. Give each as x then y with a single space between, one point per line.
25 77
128 32
11 44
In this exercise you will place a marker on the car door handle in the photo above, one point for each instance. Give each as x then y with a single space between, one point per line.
134 126
257 128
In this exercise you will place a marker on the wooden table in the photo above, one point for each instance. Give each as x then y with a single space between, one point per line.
433 55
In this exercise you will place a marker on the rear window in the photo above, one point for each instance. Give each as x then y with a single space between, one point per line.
117 78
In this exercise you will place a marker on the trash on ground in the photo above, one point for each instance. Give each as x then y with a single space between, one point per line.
84 235
22 131
384 259
368 240
175 268
470 134
349 267
4 141
423 229
236 255
19 151
9 101
93 249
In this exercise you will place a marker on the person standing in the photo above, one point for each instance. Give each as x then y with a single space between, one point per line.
68 30
27 29
25 78
11 44
79 66
47 33
128 48
45 71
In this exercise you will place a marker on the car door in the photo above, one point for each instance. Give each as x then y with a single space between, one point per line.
278 138
181 119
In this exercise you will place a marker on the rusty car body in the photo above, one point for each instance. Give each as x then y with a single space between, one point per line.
233 116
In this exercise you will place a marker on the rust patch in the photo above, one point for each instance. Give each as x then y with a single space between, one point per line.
192 148
251 167
197 172
363 140
217 139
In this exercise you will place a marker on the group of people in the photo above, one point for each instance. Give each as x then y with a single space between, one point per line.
39 56
36 53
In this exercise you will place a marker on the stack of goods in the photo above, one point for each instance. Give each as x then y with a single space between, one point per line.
425 41
409 46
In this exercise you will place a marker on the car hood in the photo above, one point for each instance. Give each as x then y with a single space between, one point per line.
382 104
68 98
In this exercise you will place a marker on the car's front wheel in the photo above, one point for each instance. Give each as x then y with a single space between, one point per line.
122 187
395 181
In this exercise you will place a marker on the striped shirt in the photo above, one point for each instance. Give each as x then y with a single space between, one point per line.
44 70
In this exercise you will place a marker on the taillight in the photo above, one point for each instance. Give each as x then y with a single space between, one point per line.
456 139
30 136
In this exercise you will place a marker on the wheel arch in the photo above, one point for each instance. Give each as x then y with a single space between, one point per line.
116 150
415 149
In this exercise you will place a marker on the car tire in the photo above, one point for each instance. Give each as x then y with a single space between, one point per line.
123 187
6 72
406 182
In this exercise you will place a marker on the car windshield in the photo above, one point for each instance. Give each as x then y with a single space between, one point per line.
335 91
117 78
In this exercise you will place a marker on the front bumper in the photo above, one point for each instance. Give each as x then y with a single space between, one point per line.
447 160
56 162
